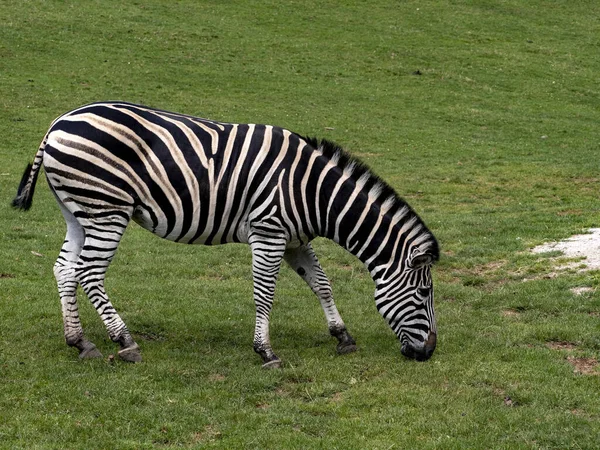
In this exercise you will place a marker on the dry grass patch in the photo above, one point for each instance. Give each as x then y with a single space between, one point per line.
208 434
217 377
486 276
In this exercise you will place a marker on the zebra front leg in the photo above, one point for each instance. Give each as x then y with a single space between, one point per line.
266 261
305 263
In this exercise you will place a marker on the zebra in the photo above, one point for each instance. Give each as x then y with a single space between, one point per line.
199 181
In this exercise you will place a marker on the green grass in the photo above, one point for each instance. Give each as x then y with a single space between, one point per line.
483 115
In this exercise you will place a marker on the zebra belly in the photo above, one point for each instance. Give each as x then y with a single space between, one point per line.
144 218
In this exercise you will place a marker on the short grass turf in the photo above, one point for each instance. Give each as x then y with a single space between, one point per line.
483 116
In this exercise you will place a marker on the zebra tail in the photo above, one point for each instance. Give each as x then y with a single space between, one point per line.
26 188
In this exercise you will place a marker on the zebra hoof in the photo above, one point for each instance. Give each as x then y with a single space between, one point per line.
89 351
274 364
344 348
131 354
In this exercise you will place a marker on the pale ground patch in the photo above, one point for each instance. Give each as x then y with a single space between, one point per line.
581 290
585 246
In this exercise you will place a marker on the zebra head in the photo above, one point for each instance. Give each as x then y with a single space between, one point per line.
405 300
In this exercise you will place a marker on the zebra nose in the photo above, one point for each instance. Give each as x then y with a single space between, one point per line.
423 352
430 344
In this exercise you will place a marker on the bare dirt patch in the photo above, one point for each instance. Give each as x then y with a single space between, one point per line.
584 366
581 365
585 247
509 402
505 398
337 397
558 345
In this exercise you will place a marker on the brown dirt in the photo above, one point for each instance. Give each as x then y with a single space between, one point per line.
561 345
581 365
584 366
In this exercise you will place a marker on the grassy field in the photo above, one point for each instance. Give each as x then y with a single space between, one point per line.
484 117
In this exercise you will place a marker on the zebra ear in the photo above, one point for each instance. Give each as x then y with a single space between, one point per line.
419 258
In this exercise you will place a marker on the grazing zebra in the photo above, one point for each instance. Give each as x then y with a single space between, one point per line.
198 181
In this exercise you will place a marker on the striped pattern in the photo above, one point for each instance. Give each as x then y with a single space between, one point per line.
198 181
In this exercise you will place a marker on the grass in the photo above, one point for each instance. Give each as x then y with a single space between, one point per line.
483 115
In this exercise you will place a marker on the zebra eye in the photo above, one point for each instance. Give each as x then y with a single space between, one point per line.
423 292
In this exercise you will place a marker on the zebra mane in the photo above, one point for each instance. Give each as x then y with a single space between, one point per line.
361 173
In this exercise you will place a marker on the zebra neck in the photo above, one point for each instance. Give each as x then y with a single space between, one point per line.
344 201
380 234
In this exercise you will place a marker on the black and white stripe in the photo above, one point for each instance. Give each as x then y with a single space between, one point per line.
198 181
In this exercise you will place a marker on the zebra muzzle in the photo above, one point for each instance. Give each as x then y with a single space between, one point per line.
422 352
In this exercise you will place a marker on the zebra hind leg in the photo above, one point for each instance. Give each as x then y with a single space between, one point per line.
101 240
305 263
64 272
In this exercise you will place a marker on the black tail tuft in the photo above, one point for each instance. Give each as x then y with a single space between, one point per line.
25 192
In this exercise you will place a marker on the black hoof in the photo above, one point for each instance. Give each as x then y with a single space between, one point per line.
88 351
274 364
346 344
131 354
346 347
